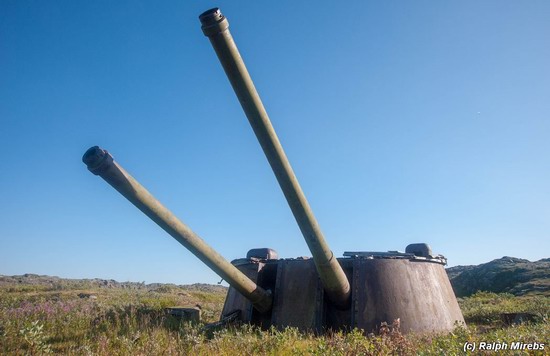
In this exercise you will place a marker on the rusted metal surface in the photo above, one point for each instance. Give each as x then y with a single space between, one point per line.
418 293
216 27
419 249
101 163
298 294
235 300
390 287
397 255
262 253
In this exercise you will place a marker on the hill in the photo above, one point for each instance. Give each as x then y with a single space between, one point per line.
53 283
504 275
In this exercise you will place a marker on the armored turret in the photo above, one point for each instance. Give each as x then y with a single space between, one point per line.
361 289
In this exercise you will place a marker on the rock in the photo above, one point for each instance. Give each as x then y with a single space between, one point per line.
517 318
185 314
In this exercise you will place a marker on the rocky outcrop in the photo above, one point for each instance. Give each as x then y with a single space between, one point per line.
504 275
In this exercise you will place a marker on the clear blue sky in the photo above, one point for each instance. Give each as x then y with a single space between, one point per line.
405 121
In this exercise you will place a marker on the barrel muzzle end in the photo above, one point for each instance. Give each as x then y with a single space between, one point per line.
97 160
213 22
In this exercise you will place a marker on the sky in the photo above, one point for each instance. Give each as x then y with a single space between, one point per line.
405 122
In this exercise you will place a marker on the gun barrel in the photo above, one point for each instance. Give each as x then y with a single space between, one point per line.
101 163
216 27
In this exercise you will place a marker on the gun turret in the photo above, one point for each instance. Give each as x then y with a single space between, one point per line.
311 294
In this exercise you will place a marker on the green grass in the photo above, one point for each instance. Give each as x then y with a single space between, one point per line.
37 320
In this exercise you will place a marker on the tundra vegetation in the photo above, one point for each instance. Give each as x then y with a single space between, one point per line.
41 315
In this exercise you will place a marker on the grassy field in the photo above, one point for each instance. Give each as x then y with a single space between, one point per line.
84 319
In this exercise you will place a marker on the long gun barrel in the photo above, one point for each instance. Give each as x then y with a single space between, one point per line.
216 27
101 163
